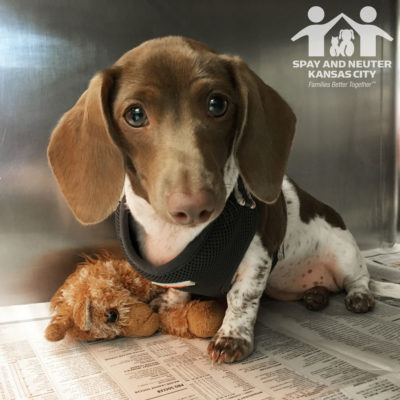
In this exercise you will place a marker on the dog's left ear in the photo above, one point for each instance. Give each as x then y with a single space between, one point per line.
266 128
88 165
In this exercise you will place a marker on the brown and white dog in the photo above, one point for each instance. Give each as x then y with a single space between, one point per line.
171 125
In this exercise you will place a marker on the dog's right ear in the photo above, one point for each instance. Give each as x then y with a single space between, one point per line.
86 162
264 136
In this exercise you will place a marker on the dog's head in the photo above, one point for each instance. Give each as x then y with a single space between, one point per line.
173 116
346 34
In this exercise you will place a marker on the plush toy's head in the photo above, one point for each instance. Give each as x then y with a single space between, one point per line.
94 303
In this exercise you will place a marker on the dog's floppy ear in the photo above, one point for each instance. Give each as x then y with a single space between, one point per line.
87 164
266 128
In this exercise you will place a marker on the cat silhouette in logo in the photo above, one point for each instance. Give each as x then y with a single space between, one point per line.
334 49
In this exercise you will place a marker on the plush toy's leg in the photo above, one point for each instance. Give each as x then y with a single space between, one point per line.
193 319
58 327
142 321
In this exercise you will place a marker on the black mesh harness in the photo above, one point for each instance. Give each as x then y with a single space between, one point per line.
208 263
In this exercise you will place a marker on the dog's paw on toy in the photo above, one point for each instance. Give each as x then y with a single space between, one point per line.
105 298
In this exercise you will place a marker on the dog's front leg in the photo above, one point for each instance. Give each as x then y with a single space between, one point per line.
234 341
169 299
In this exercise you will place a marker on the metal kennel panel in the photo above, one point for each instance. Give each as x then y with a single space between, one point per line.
345 147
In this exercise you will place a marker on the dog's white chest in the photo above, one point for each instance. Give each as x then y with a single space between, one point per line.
160 249
159 241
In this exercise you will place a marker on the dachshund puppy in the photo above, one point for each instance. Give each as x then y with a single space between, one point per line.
182 132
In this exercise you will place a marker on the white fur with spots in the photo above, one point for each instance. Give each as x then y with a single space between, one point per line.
312 254
235 340
315 254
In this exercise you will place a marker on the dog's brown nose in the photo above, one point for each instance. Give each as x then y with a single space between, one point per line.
193 208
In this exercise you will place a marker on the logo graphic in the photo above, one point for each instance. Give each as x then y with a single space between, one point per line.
346 47
342 45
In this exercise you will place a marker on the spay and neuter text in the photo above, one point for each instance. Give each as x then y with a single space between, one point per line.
341 69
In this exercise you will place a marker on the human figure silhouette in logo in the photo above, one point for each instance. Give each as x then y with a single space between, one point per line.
367 32
316 32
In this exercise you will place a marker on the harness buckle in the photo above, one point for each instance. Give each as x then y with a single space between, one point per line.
243 196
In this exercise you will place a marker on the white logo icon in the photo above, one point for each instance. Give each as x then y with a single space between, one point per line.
342 45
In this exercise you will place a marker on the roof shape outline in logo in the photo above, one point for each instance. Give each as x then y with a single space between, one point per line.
317 31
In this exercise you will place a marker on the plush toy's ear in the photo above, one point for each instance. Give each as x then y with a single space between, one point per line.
81 314
265 133
87 164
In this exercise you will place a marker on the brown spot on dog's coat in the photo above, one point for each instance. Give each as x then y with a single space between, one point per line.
273 224
310 208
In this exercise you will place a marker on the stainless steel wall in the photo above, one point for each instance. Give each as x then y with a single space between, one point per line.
344 151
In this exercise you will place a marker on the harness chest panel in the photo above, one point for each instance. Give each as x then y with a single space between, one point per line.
208 263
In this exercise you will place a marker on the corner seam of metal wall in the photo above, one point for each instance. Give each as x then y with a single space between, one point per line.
396 122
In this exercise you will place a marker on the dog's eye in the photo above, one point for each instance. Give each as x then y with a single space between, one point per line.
217 105
135 116
111 316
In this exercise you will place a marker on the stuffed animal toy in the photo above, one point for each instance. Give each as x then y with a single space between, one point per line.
105 298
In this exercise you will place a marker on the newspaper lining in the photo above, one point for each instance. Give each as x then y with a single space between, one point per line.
328 355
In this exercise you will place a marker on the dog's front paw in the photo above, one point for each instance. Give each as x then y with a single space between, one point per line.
359 302
229 349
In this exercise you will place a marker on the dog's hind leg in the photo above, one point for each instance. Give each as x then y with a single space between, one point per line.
316 298
355 274
359 298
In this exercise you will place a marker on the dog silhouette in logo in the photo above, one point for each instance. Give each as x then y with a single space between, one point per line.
346 46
